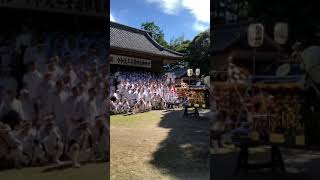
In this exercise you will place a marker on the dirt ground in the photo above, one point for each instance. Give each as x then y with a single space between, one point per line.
159 145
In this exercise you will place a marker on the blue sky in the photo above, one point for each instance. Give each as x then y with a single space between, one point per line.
175 17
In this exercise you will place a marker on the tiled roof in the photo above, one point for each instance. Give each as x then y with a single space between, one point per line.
130 38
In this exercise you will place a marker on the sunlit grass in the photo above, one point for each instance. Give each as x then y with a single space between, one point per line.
135 119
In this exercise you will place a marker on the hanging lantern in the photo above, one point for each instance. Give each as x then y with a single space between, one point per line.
197 72
255 35
281 33
190 72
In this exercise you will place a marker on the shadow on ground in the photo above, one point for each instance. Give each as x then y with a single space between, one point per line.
185 152
300 164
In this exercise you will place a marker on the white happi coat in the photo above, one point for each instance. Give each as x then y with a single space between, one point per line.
82 137
32 80
74 110
73 78
60 111
51 139
91 110
28 145
15 105
28 109
46 98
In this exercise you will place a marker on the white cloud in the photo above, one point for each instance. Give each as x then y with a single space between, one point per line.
168 6
200 9
112 18
198 26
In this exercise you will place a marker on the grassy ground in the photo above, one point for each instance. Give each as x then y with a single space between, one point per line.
88 171
159 145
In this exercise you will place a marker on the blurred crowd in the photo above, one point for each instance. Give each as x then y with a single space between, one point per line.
58 110
136 92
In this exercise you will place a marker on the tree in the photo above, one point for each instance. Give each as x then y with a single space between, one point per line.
198 54
179 44
156 33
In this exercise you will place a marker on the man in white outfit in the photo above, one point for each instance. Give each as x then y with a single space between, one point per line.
11 148
100 132
32 79
91 106
11 103
59 108
51 139
27 106
74 109
80 143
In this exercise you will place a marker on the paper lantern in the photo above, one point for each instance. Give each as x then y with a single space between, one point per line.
255 35
197 72
281 33
190 72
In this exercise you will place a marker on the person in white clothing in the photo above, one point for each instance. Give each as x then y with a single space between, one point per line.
74 109
100 133
59 108
51 138
91 106
80 143
27 106
11 103
32 79
11 148
45 93
71 74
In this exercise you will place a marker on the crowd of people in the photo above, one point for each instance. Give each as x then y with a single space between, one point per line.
137 92
60 112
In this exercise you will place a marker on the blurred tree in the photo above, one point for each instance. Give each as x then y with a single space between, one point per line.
156 33
179 44
198 53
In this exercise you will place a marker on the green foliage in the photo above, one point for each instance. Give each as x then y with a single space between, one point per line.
156 33
179 44
199 52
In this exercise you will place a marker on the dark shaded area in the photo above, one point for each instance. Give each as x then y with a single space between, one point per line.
185 152
299 164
